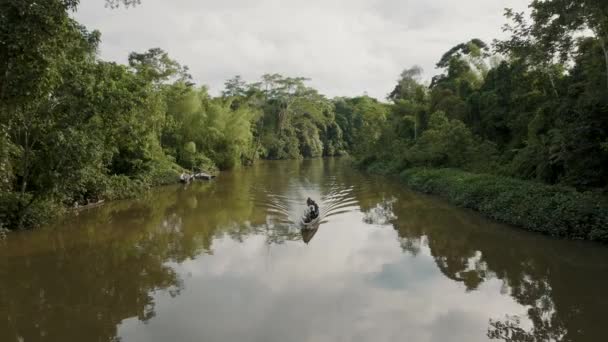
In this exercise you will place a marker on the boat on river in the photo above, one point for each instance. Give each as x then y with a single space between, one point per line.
311 224
312 215
187 178
308 234
89 205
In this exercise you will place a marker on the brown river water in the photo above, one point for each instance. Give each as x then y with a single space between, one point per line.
226 261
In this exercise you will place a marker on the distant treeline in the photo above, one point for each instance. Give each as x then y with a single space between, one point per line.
76 129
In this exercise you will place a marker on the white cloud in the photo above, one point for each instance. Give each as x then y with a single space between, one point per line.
347 47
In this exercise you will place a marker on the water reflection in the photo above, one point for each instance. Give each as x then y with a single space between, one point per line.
559 283
225 261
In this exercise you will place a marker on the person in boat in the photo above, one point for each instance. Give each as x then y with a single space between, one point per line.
313 209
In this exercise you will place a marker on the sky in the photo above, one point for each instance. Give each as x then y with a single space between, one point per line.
346 47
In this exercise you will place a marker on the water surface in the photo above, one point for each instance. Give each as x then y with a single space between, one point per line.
225 261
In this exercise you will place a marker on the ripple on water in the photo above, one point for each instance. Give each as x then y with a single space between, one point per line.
286 208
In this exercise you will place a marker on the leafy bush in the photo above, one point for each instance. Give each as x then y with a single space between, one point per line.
383 167
446 143
121 187
554 210
281 146
22 211
310 144
163 173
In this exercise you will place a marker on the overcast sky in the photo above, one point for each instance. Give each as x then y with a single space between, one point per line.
347 47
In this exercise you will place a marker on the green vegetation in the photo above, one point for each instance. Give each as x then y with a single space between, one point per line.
554 210
532 107
74 128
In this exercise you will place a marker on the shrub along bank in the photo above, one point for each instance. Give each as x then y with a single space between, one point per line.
25 210
553 210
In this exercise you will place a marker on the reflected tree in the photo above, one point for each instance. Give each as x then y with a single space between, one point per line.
559 285
510 330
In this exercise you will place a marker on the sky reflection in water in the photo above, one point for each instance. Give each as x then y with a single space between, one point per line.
225 262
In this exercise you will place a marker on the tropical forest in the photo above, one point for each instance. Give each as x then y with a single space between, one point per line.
484 169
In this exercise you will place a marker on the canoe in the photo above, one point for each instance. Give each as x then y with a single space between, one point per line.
312 224
89 206
308 234
187 178
204 176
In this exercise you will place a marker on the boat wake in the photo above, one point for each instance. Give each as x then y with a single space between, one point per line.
289 208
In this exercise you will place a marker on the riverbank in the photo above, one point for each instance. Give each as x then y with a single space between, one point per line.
552 210
24 211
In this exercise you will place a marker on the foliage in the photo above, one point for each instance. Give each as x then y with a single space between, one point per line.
117 3
536 109
291 119
18 210
445 143
558 211
362 120
229 139
408 86
74 128
156 66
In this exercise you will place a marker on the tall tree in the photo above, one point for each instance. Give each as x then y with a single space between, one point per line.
156 66
556 23
530 49
117 3
408 87
235 87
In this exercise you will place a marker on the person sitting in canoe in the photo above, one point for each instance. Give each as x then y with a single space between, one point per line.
312 212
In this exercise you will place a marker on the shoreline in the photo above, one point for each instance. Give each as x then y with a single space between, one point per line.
552 210
48 211
547 209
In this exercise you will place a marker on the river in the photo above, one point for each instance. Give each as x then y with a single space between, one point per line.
225 261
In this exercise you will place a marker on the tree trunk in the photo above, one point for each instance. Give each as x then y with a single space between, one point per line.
552 81
280 120
22 211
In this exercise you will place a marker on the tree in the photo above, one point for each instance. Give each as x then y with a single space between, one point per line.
117 3
156 66
464 62
362 119
33 35
42 71
475 48
408 86
447 143
556 23
524 46
235 87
